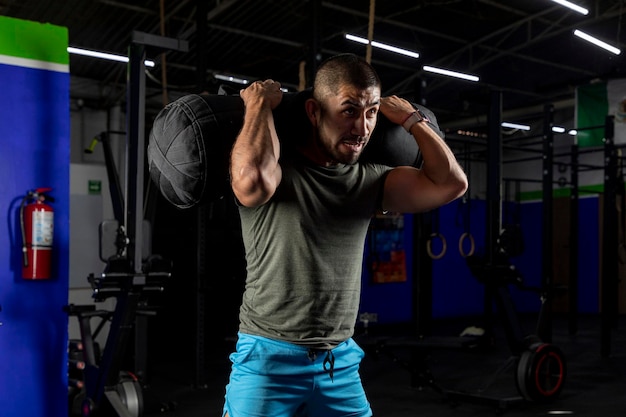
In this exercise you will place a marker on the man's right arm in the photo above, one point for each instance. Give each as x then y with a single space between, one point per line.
254 169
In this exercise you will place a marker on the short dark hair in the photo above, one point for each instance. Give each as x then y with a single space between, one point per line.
344 69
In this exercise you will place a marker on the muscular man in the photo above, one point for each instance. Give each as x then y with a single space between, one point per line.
305 211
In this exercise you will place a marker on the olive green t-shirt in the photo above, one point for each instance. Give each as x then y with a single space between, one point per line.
304 253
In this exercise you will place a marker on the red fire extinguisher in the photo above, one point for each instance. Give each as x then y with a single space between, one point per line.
37 224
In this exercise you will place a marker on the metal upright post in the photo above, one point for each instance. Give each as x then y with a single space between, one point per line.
494 175
610 242
135 163
135 148
202 214
422 275
202 218
544 329
572 287
494 194
135 136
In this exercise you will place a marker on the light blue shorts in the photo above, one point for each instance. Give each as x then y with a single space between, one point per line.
271 378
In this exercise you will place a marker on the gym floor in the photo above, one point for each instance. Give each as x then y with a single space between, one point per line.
595 384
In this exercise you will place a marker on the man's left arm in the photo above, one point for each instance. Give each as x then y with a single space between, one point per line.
439 181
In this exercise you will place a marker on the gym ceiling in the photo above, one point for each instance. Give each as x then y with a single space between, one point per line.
524 48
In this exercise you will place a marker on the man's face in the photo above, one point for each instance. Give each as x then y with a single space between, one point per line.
346 122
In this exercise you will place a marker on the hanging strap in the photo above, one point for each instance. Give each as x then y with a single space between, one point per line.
465 206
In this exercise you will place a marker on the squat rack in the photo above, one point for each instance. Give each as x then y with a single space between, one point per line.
612 187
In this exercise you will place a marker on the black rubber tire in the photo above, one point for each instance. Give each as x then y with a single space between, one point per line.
541 372
131 394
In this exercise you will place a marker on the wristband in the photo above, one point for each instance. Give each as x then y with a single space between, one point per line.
415 117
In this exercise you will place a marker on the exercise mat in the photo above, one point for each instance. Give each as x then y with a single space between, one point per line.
190 141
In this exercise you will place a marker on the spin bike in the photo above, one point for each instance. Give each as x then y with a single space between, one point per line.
101 384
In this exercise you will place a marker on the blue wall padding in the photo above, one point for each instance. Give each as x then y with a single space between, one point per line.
530 262
34 134
456 292
589 258
393 302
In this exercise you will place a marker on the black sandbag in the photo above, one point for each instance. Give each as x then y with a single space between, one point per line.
189 145
191 138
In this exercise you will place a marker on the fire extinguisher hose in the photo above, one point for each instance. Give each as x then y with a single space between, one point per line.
24 249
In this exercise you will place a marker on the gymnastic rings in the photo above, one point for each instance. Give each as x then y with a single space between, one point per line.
470 252
444 246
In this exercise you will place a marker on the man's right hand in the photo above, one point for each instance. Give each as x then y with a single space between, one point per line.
261 92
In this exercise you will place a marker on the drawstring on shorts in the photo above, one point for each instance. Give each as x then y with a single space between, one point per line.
329 359
328 364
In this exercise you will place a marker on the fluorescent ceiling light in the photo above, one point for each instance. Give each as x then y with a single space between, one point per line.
104 55
231 79
357 39
395 49
383 46
559 129
451 73
515 126
412 55
572 6
238 80
597 42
